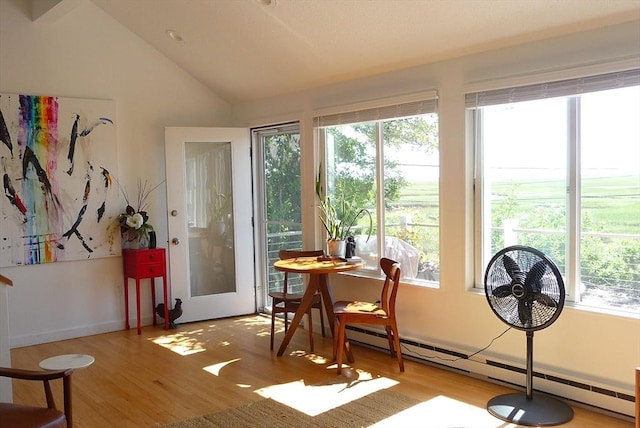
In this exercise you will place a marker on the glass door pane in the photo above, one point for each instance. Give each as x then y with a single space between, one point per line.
210 220
281 224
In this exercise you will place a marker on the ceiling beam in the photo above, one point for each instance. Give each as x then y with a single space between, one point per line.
49 11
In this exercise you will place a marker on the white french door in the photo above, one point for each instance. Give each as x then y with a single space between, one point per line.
209 202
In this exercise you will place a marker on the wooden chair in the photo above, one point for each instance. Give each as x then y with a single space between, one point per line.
382 312
637 397
22 416
285 302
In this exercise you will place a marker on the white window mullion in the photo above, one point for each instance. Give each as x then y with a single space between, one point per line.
573 200
380 189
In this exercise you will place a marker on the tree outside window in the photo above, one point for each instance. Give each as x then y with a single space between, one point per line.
391 168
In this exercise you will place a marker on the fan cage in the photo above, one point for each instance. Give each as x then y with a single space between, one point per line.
508 308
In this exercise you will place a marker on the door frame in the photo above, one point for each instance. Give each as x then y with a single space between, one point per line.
243 300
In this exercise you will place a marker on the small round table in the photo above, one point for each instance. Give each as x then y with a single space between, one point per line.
318 270
67 361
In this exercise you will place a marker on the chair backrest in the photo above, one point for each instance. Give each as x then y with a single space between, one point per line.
391 269
292 254
23 415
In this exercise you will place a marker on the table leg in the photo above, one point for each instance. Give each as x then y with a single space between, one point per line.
327 300
153 299
307 299
166 302
126 302
138 304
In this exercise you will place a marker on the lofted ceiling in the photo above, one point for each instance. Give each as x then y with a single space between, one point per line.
250 49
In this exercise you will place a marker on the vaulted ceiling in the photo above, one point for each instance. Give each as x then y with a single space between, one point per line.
250 49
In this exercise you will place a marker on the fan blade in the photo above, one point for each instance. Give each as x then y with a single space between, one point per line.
545 300
524 312
502 291
512 267
535 274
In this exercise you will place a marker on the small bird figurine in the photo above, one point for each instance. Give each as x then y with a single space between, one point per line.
173 313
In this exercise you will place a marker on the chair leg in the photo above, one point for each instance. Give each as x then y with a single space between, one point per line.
273 323
310 328
396 337
340 329
336 338
390 339
321 318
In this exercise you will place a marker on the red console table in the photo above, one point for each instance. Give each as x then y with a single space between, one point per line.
145 264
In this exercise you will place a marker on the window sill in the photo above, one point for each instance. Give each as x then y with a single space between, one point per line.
370 274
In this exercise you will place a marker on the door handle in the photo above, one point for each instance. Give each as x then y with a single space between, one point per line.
175 241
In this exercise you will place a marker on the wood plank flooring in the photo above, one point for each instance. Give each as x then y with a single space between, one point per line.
164 376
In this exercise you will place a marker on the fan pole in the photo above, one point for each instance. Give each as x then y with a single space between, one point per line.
529 383
529 409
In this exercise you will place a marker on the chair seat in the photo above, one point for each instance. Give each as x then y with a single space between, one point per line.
19 416
285 296
362 308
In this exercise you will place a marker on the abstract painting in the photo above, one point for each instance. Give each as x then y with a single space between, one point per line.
58 159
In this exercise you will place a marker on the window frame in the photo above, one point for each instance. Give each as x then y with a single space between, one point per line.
629 76
377 112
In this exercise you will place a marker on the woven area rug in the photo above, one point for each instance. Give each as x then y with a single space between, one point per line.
361 412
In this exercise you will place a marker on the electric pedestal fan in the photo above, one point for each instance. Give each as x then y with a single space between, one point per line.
525 290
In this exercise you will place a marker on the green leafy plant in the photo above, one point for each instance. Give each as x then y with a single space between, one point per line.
220 205
339 219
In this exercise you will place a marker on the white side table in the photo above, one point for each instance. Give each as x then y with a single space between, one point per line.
67 361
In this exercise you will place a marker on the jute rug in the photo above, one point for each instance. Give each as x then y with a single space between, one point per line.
361 412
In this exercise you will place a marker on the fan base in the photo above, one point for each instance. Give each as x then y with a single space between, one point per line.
540 410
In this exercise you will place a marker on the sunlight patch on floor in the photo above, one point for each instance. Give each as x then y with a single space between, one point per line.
257 320
215 369
443 411
314 358
261 324
316 399
180 343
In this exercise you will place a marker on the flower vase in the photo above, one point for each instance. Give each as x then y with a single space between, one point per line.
130 240
143 241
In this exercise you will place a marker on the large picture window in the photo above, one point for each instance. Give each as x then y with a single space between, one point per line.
558 169
386 160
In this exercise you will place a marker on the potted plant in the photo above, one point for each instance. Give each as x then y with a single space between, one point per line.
219 211
133 223
338 219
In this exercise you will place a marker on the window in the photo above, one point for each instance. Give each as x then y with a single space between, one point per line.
558 169
386 160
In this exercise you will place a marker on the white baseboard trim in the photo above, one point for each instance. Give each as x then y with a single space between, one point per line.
612 399
73 333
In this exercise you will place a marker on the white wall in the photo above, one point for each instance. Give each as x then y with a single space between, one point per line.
584 346
86 54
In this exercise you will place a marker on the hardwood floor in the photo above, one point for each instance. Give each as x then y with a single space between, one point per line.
160 377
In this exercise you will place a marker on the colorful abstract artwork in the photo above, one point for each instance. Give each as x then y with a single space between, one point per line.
58 159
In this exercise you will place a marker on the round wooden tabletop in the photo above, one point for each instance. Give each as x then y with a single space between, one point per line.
314 265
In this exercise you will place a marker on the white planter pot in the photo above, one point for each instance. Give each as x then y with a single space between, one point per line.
336 248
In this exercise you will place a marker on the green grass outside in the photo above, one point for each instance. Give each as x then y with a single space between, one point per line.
614 202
